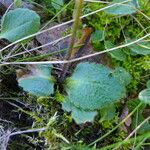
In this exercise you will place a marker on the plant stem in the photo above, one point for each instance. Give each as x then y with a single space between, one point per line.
77 14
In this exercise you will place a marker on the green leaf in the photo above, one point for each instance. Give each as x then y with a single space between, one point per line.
97 36
96 39
144 96
108 113
122 9
142 47
17 3
116 54
148 84
58 4
79 115
19 23
38 81
92 87
122 75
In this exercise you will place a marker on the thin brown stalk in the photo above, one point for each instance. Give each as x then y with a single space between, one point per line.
77 14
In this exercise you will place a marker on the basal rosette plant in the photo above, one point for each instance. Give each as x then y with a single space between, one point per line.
90 88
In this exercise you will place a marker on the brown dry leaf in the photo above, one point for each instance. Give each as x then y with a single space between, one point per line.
84 39
53 35
128 121
88 49
124 114
28 70
57 33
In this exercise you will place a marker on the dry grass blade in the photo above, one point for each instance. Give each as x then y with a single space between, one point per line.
76 59
4 138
